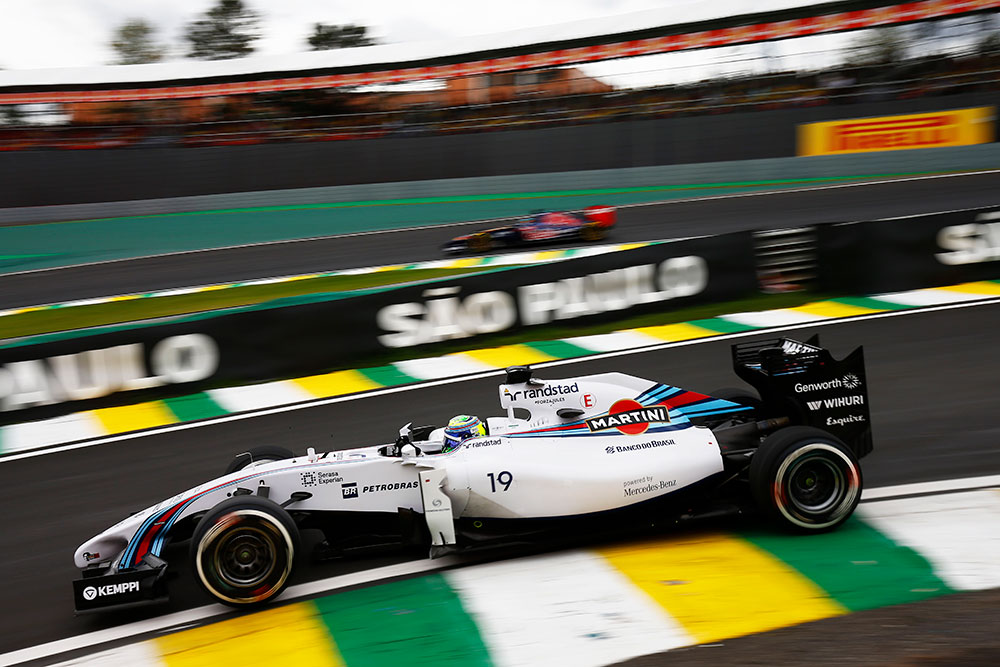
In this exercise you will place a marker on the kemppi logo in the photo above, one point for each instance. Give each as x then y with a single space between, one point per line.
922 132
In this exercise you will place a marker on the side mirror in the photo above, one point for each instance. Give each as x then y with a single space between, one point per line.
404 433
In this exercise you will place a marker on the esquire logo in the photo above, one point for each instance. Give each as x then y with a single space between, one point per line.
629 417
449 316
93 592
96 373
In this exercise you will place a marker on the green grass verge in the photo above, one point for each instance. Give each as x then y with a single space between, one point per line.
55 319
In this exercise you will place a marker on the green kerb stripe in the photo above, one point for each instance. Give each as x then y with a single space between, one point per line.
195 406
874 304
856 565
387 376
413 622
559 349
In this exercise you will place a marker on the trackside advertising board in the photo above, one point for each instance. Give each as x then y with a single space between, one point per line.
910 253
956 127
52 375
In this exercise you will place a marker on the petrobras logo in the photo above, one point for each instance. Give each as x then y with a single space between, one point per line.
446 314
349 489
96 373
393 486
91 593
629 417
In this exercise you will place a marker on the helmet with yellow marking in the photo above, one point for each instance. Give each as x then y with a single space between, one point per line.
462 427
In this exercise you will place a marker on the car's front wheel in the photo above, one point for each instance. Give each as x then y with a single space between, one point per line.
806 479
258 455
243 551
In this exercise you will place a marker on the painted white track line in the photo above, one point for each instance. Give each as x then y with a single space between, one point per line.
307 404
887 504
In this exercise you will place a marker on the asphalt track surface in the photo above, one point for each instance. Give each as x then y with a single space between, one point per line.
776 209
931 386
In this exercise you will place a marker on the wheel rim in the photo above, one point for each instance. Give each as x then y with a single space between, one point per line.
816 486
245 557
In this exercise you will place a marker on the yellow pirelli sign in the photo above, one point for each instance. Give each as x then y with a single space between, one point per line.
956 127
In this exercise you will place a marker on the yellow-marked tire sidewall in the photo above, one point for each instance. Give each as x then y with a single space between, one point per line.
271 536
782 457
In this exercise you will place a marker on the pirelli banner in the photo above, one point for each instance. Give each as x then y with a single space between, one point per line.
956 127
307 335
910 253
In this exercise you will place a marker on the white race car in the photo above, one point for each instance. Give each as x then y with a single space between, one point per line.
569 457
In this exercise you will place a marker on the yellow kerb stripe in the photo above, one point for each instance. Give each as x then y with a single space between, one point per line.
463 263
508 355
718 587
832 309
336 383
984 287
134 417
548 254
675 332
291 635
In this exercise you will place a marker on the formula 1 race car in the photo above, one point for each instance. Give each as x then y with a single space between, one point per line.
571 457
591 224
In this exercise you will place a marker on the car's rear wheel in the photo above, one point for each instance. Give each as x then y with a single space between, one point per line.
806 479
258 455
243 551
592 232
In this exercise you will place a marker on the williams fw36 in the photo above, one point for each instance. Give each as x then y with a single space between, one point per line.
570 458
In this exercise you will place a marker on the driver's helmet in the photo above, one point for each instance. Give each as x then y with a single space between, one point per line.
462 427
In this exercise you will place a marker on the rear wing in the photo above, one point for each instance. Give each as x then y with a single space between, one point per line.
802 381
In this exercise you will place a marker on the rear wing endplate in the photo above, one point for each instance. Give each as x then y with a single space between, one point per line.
805 383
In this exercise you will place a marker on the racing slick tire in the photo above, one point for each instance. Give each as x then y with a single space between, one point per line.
592 232
258 455
481 242
243 551
805 479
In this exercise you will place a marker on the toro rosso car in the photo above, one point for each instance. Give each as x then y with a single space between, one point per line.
590 224
569 457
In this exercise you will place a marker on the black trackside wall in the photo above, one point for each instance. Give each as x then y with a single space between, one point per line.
36 178
910 253
309 335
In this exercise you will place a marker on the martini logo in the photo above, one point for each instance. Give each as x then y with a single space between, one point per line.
629 417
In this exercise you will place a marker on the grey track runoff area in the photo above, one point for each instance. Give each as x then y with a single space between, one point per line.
945 159
712 215
931 393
